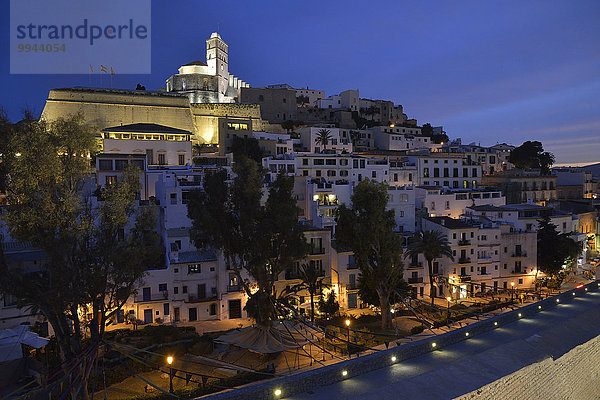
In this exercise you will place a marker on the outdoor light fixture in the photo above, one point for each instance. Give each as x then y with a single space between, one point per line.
466 333
495 323
170 360
573 293
344 373
347 322
586 289
540 307
433 344
393 358
557 301
277 392
519 315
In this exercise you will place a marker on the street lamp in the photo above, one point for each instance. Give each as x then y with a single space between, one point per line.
171 373
449 299
512 292
348 341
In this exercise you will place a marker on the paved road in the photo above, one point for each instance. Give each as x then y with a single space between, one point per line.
466 366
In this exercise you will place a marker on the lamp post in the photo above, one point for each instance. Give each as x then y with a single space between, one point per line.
512 292
171 373
448 299
348 341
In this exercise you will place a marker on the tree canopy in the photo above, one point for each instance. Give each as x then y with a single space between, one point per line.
432 244
368 229
261 239
96 249
531 154
554 249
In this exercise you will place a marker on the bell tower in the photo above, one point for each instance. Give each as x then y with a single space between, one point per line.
217 56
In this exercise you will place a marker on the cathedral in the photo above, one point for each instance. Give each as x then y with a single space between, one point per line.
208 82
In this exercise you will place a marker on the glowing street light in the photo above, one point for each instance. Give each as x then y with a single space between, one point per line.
449 299
512 285
171 373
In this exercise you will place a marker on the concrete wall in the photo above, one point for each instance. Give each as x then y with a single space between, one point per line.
327 375
572 376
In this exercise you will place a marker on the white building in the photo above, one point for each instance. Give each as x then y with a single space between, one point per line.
400 138
309 134
440 201
210 81
448 170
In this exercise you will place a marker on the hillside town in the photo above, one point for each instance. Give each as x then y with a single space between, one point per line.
485 202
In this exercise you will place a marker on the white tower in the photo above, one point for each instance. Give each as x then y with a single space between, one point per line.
217 60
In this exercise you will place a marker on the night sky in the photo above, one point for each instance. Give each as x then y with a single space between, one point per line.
488 71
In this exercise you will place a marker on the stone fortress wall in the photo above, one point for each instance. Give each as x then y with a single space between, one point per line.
103 108
575 375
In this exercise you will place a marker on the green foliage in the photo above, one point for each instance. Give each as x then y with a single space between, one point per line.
246 147
368 229
96 252
532 155
289 125
432 244
311 280
263 240
329 307
554 249
323 138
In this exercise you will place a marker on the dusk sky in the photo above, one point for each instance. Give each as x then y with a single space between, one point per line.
487 71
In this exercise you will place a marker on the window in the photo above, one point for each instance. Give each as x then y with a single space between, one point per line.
426 172
120 165
184 289
316 246
181 159
410 177
305 161
110 180
436 172
330 161
162 287
105 165
319 161
173 198
374 174
213 309
194 269
175 290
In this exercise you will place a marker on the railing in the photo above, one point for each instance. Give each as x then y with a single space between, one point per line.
234 288
516 272
464 242
153 297
521 254
317 251
484 257
415 280
351 286
418 265
352 266
464 278
464 260
194 298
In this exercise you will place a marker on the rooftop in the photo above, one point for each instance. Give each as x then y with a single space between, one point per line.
147 128
450 223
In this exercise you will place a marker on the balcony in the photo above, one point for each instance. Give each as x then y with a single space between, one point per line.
464 260
415 279
464 278
520 254
418 265
352 286
192 298
351 266
464 242
518 272
484 257
233 288
317 251
162 296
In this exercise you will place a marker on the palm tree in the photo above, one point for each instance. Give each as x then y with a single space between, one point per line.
311 279
323 138
432 244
